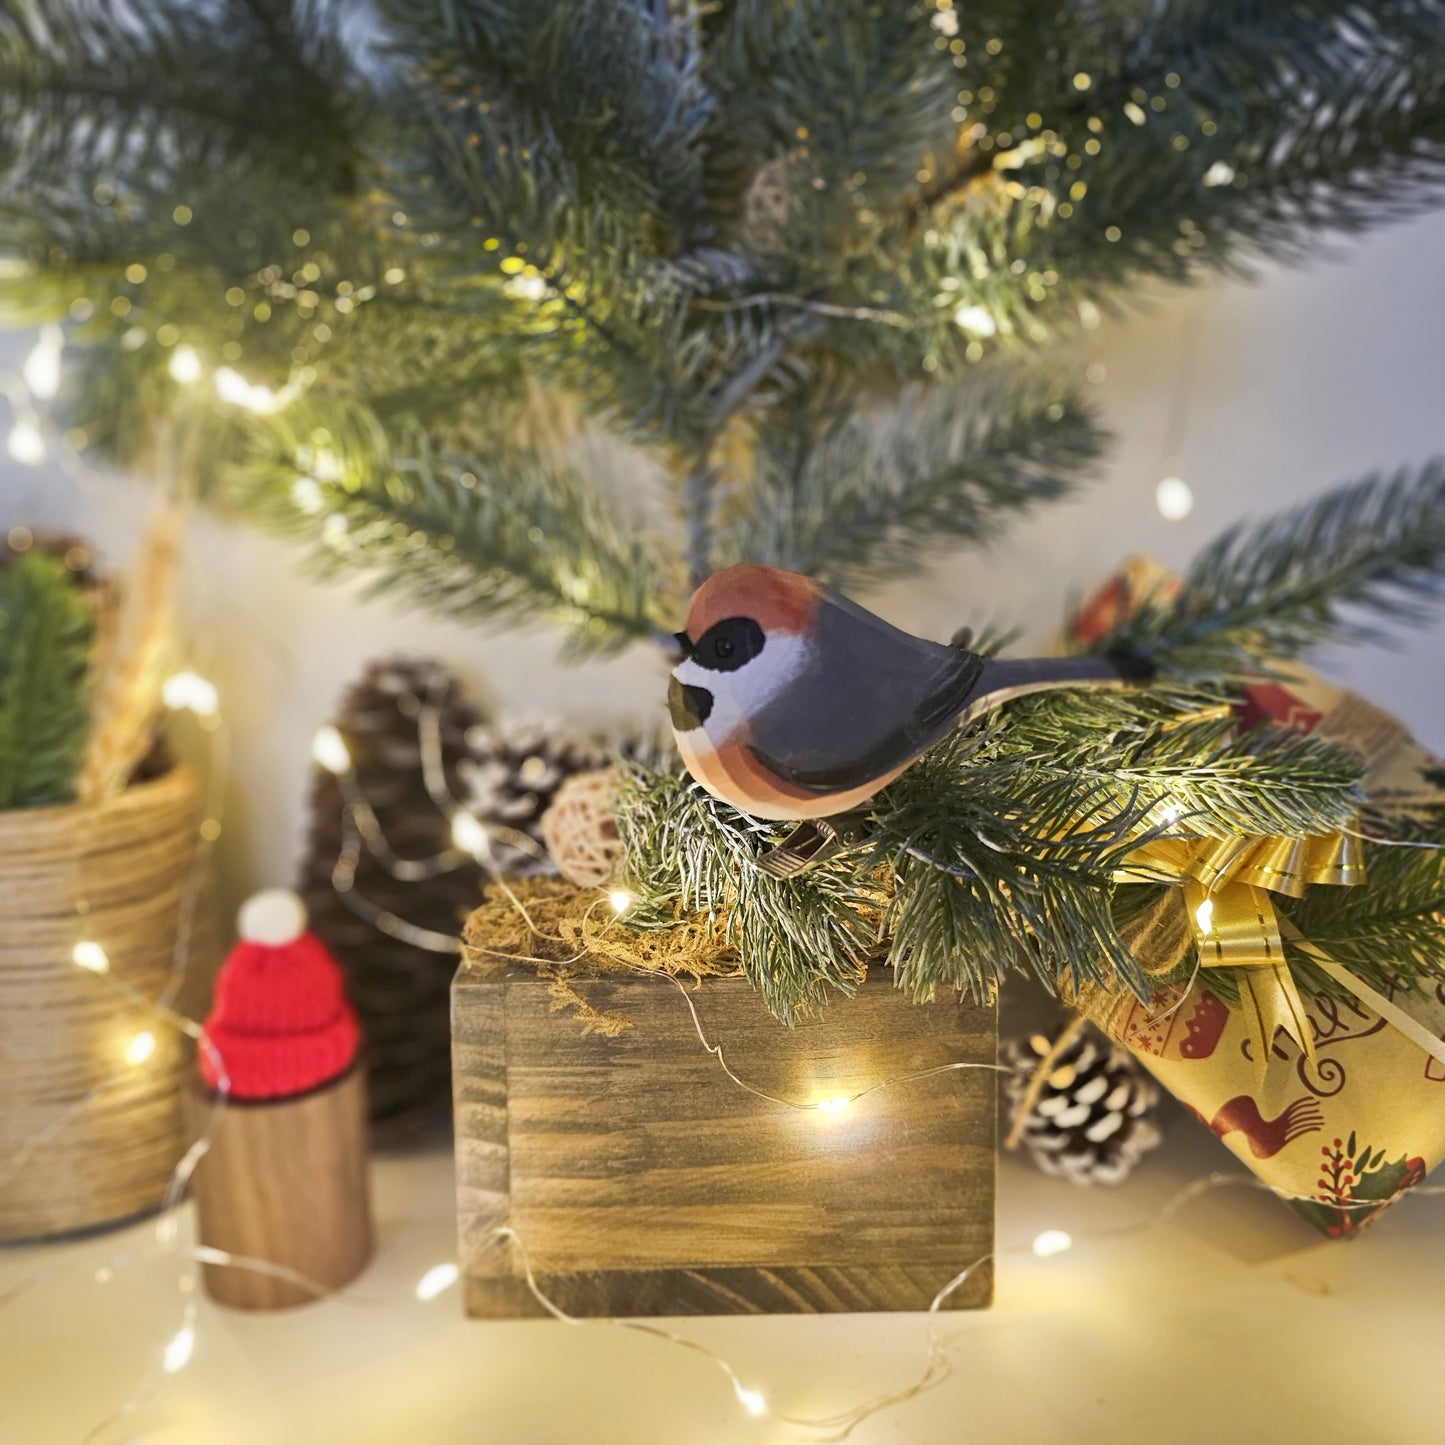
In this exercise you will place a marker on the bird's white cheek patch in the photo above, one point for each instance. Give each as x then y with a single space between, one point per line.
724 715
739 695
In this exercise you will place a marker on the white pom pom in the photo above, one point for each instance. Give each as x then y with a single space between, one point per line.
273 916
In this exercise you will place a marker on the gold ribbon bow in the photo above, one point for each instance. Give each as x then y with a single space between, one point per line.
1227 885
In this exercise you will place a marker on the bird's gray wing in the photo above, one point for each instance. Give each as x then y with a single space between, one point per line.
870 698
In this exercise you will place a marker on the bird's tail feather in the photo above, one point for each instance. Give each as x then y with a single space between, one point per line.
1004 679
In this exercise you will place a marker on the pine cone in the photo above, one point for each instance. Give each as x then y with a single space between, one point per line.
1092 1119
506 776
510 777
400 992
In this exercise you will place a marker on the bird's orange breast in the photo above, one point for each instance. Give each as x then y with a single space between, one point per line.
731 772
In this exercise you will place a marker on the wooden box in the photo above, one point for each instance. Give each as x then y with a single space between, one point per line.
643 1181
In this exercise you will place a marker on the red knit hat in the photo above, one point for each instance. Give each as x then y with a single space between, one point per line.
280 1025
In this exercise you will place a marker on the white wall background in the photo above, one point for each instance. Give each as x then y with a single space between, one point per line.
1301 380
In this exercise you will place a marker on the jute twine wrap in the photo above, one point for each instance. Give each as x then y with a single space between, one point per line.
116 873
1159 938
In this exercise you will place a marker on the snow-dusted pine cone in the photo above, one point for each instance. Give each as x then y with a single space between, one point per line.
1092 1119
511 774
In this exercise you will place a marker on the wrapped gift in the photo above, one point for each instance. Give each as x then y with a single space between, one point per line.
1338 1103
1341 1137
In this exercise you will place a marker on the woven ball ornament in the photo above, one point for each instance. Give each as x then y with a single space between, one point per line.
580 829
280 1025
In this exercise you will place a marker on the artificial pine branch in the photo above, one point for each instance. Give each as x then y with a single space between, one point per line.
996 851
502 534
95 95
1387 932
46 631
849 499
675 215
612 88
1267 591
1176 752
798 938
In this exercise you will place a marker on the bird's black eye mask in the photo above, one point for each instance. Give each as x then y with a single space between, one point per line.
726 645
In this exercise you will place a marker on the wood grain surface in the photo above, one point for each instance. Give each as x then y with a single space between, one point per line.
286 1181
643 1181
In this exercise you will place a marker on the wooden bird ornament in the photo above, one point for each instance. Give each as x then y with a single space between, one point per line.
792 702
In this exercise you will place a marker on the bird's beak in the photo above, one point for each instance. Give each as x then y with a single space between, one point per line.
687 706
684 642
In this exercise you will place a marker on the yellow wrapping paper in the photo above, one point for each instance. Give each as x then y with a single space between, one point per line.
1348 1120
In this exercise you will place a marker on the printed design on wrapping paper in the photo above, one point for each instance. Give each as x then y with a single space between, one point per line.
1266 1137
1268 702
1356 1183
1333 1022
1204 1027
1171 1029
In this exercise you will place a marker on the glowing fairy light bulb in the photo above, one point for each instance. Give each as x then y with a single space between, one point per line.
41 368
231 386
190 692
89 955
470 835
326 465
438 1278
976 320
833 1106
1204 915
527 288
329 750
140 1048
179 1350
1174 499
750 1400
26 444
1051 1242
306 496
620 899
185 365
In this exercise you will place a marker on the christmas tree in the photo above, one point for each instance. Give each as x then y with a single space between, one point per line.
806 263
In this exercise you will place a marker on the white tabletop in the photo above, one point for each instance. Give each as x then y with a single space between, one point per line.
1234 1322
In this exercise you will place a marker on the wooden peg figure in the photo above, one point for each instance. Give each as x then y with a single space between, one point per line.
286 1177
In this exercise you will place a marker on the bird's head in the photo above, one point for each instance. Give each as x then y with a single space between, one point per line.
745 638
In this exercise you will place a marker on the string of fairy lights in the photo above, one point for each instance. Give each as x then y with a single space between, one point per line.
187 692
472 838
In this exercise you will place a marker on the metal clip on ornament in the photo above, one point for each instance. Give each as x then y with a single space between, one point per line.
812 843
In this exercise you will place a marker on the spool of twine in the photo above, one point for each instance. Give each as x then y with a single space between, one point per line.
87 1137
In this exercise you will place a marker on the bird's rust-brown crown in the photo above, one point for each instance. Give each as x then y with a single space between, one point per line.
777 601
